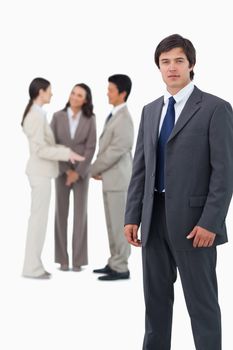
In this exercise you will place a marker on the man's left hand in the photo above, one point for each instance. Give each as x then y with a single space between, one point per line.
201 237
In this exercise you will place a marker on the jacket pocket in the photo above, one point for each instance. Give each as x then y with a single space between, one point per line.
197 201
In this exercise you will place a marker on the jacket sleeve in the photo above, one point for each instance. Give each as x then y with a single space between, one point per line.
135 193
65 165
53 126
35 128
120 144
83 167
221 159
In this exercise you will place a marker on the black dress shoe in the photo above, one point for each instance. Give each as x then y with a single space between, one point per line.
114 275
106 269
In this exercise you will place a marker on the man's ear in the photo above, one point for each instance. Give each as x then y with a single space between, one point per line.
191 67
123 94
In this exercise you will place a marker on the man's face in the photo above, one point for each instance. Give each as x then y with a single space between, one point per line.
175 69
114 96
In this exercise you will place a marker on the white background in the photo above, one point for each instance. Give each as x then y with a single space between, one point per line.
86 41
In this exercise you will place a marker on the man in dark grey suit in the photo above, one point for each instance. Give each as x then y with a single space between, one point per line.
180 191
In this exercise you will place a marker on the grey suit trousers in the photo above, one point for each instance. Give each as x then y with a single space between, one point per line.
198 277
114 205
79 239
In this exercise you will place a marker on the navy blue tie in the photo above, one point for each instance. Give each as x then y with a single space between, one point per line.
168 124
108 118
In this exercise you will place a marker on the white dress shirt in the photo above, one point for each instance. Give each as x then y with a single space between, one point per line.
181 98
73 121
117 108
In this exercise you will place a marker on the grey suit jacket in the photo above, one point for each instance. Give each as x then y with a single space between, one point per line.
84 141
198 169
44 153
114 158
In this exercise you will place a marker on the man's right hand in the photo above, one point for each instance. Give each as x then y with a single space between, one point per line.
131 234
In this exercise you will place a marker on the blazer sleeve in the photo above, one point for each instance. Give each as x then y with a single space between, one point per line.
53 125
82 167
133 211
221 179
120 144
35 128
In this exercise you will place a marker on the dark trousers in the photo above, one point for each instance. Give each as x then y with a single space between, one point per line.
198 277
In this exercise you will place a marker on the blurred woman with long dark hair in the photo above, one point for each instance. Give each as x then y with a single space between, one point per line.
74 126
41 167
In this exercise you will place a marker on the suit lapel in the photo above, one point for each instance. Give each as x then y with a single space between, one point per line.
155 116
104 129
66 126
80 126
106 125
189 110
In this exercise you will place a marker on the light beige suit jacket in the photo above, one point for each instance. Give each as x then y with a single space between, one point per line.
44 153
114 158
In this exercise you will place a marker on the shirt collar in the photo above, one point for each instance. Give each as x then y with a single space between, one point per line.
70 114
117 108
180 94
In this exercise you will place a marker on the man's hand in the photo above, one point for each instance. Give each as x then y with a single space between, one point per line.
131 234
97 177
202 237
72 177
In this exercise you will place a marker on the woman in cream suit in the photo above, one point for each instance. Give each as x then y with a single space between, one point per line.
41 167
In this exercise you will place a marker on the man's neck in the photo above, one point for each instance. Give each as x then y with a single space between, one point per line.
174 90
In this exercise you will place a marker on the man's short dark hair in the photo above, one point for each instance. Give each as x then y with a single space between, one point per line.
122 82
172 42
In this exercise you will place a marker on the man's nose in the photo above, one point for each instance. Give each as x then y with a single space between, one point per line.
172 66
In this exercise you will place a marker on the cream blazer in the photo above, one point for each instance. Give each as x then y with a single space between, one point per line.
44 153
114 158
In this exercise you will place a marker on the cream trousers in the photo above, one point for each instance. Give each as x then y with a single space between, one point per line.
37 225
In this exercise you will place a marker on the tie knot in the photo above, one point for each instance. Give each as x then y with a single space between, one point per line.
172 101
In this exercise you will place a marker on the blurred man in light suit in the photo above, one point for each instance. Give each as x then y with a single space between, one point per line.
113 166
